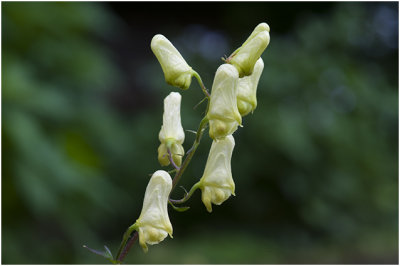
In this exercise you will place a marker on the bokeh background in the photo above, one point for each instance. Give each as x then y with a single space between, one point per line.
315 166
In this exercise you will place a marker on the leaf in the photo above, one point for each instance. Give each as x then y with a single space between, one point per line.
179 209
191 131
105 254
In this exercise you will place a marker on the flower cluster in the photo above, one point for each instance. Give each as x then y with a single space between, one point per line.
233 95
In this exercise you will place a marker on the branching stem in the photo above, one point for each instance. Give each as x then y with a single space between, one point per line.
125 245
187 196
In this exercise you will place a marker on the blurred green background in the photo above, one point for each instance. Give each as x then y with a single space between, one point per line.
315 166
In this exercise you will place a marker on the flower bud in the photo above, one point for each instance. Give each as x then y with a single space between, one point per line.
217 184
176 71
153 223
247 89
171 134
223 113
246 56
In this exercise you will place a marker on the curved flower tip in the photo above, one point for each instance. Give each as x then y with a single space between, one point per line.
217 183
246 56
153 223
171 134
259 28
247 89
223 114
176 71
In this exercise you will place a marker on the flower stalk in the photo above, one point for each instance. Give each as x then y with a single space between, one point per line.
199 134
233 95
187 196
125 238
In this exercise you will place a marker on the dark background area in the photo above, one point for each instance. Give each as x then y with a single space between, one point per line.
315 166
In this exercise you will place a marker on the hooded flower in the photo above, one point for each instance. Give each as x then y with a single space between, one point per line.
217 184
171 134
247 89
176 71
223 113
246 56
153 223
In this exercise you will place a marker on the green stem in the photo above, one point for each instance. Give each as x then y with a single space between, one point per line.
123 250
196 143
125 238
203 88
128 247
188 195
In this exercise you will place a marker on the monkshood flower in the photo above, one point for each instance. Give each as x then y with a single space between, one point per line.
176 71
247 89
223 114
245 57
171 134
153 223
217 184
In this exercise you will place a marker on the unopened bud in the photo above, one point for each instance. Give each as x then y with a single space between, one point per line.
246 56
176 71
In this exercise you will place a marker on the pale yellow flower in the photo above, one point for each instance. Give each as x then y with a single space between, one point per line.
153 223
247 89
245 57
171 134
176 71
223 114
217 183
